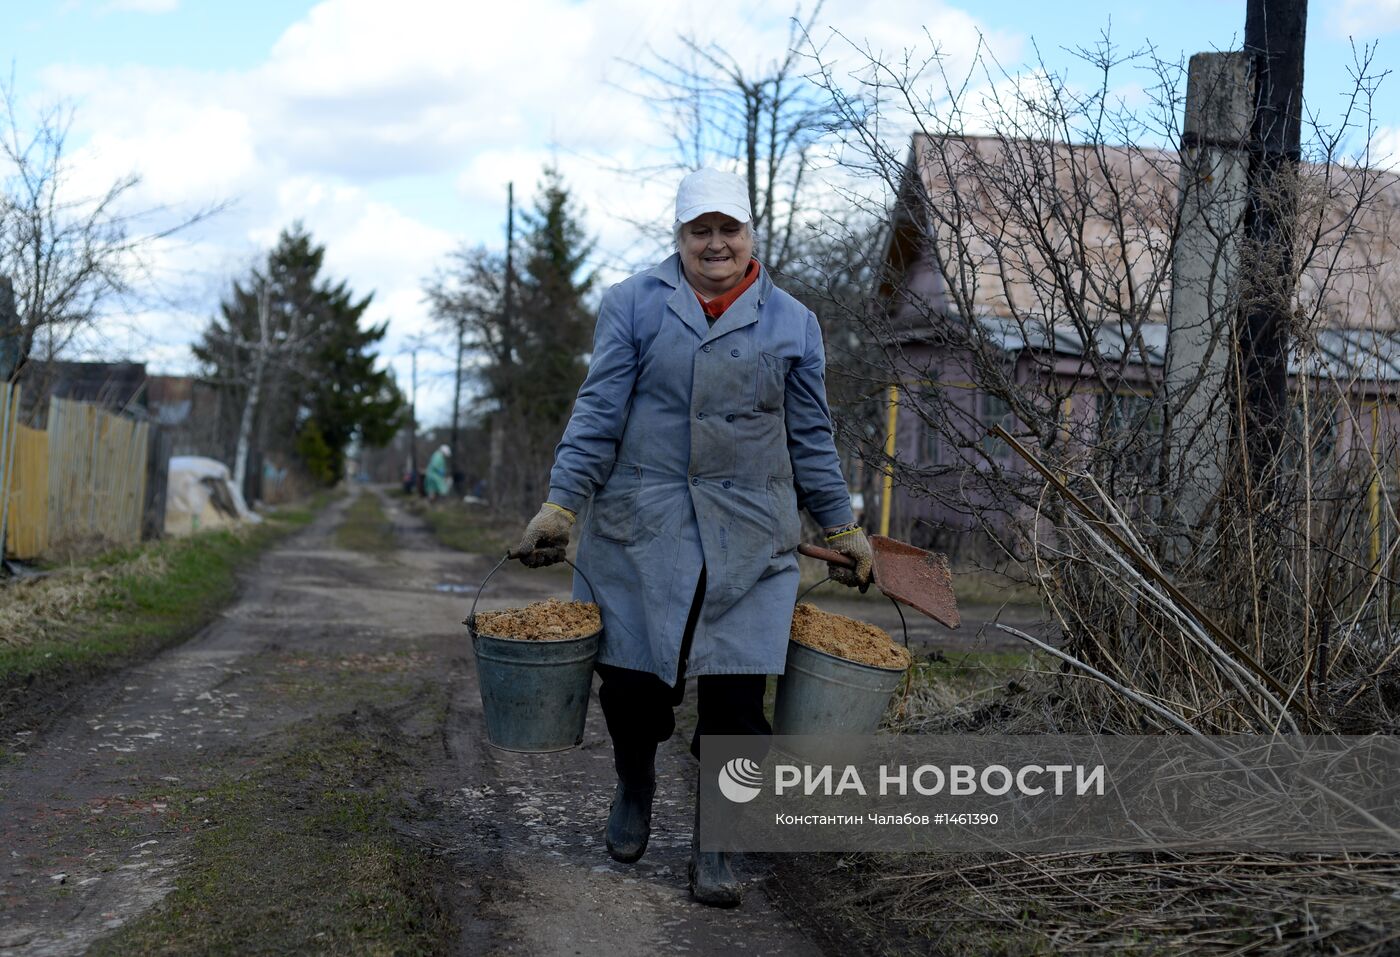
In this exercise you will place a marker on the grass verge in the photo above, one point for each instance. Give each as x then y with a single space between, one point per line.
98 616
300 856
365 527
467 528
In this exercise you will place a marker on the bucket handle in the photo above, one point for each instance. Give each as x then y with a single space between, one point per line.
904 625
471 618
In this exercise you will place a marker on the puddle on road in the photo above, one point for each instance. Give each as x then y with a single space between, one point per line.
457 588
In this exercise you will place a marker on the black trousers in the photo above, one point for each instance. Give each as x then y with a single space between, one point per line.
639 707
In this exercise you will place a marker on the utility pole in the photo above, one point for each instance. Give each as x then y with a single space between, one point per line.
498 421
1214 182
1274 34
457 402
413 416
9 331
510 256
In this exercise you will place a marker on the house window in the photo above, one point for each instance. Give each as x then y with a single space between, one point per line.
1323 439
1134 429
933 447
994 411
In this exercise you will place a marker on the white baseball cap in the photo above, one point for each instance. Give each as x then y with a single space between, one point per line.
710 191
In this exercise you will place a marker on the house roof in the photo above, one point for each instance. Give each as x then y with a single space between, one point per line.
1346 355
1355 355
998 206
114 385
1149 345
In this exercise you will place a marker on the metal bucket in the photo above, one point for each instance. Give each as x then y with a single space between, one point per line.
534 693
822 694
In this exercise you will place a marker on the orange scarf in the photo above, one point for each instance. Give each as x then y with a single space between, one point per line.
714 308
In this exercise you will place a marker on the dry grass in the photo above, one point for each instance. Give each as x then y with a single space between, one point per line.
32 609
1161 903
1157 904
968 692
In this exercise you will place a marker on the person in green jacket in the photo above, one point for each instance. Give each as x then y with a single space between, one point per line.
438 481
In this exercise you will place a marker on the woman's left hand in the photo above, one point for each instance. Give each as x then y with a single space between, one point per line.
545 537
854 545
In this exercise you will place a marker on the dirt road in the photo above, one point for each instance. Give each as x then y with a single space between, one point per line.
102 817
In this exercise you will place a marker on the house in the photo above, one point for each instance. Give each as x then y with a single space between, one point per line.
1029 284
117 386
199 417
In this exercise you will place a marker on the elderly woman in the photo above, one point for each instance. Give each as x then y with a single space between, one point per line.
701 429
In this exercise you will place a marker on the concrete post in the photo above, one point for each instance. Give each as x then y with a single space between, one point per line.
1214 191
9 331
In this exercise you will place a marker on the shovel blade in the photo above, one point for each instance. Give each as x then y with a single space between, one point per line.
917 578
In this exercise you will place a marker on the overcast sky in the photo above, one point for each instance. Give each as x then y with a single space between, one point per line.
392 128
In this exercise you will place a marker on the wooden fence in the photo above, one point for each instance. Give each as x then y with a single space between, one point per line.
27 535
81 482
9 428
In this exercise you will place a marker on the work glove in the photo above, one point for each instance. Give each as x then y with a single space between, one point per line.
545 537
852 543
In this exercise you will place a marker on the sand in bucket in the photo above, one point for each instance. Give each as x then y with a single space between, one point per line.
548 620
847 638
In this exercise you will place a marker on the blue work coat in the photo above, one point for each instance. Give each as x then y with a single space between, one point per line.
694 445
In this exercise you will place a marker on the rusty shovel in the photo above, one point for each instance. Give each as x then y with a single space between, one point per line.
909 575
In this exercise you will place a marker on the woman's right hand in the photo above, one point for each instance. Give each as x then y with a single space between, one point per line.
852 543
545 537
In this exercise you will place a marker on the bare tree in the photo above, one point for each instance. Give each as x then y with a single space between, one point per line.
769 120
68 254
777 127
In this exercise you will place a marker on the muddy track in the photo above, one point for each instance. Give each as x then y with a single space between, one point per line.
319 632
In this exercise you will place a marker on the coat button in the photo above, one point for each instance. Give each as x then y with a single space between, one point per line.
699 415
705 349
729 417
727 483
694 481
734 353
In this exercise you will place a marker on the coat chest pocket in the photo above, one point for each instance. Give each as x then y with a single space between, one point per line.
615 505
787 524
772 383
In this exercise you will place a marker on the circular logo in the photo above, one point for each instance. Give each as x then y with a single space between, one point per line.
740 780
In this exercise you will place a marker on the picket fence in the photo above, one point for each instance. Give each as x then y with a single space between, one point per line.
80 482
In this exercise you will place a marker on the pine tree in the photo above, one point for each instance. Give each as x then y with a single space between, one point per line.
528 356
348 397
290 345
555 325
555 315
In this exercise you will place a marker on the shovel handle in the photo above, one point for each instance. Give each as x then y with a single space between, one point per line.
826 555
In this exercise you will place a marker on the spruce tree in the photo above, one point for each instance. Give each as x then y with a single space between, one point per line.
556 321
319 388
528 347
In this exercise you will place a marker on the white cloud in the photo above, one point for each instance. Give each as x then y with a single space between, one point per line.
1366 19
143 6
391 131
1385 148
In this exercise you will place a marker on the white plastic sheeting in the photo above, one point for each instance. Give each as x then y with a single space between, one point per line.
201 495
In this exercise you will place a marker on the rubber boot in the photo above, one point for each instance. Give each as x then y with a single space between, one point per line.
629 818
712 879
